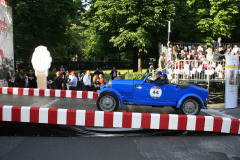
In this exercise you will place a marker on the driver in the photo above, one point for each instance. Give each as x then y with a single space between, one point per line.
161 79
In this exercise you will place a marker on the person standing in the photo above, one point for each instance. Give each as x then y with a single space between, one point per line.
73 81
87 81
80 80
178 48
229 50
113 74
32 80
101 80
96 82
162 62
101 72
182 55
26 80
21 79
218 54
11 77
118 76
96 72
210 54
175 54
217 44
58 81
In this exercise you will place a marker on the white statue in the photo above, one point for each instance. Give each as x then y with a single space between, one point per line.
41 61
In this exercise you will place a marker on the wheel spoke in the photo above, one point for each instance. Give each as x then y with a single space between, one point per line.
107 103
190 107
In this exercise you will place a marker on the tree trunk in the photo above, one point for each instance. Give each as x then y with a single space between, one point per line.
139 63
135 60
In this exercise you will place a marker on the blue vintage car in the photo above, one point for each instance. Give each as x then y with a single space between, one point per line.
186 98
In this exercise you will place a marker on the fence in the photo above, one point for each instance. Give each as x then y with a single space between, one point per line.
187 46
195 71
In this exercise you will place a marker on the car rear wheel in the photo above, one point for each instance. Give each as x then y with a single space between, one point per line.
107 102
190 107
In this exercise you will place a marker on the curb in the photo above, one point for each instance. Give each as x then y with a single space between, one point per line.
48 93
119 119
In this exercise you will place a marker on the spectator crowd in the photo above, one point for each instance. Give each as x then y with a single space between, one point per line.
187 61
64 79
190 60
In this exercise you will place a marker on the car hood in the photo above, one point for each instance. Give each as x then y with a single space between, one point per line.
126 81
118 83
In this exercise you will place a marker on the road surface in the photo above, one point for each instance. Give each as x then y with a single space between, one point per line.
38 141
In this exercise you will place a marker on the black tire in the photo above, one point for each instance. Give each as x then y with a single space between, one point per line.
190 106
113 101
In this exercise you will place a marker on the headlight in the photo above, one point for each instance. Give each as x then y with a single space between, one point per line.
109 84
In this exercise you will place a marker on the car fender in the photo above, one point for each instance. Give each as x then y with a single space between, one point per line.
190 95
115 92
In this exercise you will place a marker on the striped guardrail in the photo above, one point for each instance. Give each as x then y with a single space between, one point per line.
119 119
48 92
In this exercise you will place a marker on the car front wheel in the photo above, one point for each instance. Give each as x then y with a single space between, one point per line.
107 102
190 107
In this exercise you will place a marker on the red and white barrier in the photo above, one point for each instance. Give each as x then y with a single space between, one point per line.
119 119
49 92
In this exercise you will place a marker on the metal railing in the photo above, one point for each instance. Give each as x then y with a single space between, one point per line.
195 71
188 45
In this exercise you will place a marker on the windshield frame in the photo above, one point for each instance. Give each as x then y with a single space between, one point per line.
143 76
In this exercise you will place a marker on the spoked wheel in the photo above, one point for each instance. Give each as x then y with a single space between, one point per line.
107 102
190 107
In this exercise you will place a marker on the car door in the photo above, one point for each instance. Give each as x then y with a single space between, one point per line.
171 94
148 93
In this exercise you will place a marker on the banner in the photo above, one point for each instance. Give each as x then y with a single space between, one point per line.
6 39
231 82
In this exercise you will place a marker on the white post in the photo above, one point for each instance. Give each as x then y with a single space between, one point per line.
41 61
231 83
169 30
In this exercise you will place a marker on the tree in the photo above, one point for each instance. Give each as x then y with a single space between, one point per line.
133 24
215 18
43 22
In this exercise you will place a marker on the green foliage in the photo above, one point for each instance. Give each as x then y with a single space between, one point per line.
128 25
111 28
134 75
51 75
43 22
215 18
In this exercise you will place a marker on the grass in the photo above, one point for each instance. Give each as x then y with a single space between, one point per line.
122 71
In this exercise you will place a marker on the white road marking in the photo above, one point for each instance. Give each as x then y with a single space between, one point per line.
49 104
216 113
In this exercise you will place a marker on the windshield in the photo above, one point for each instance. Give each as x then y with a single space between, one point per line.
144 75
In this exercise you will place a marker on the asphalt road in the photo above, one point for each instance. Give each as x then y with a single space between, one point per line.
127 148
27 141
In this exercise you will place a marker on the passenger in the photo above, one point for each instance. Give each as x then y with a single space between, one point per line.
161 79
164 79
158 75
